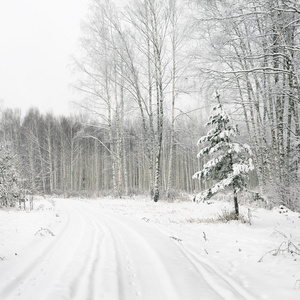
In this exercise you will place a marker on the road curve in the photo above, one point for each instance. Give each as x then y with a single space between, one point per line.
96 255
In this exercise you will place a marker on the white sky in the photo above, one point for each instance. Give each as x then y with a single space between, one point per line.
37 39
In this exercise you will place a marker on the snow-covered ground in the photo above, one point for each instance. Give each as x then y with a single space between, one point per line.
136 249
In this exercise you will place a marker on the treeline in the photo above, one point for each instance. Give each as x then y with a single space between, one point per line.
71 156
148 73
146 54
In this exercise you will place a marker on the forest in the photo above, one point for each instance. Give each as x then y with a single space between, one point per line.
148 74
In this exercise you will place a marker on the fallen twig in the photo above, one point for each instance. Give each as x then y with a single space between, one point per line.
175 238
281 233
45 229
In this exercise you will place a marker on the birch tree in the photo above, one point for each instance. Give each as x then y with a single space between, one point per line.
103 82
136 57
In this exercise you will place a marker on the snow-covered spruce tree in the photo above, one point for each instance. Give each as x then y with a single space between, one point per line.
9 177
229 161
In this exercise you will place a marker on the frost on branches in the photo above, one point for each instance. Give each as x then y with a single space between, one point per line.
229 162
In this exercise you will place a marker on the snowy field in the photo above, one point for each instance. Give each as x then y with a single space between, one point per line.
136 249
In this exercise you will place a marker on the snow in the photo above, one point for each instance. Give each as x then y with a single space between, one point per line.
213 162
222 184
137 249
218 113
227 133
243 168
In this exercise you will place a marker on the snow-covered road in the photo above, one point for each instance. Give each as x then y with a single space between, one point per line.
96 255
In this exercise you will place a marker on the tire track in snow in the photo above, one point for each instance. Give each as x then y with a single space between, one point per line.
115 272
89 285
129 286
28 266
98 277
103 256
163 280
80 263
40 273
164 286
225 286
60 257
82 286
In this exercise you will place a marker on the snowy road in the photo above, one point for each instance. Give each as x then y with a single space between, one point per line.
95 255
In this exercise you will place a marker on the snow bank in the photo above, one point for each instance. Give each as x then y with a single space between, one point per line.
21 229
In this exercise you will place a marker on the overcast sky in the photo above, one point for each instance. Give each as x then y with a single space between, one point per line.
37 38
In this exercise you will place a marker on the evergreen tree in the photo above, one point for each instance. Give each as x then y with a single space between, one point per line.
229 161
9 178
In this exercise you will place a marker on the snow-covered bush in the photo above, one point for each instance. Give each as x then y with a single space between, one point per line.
229 161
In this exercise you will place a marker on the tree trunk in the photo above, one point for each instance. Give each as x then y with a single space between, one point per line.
236 204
